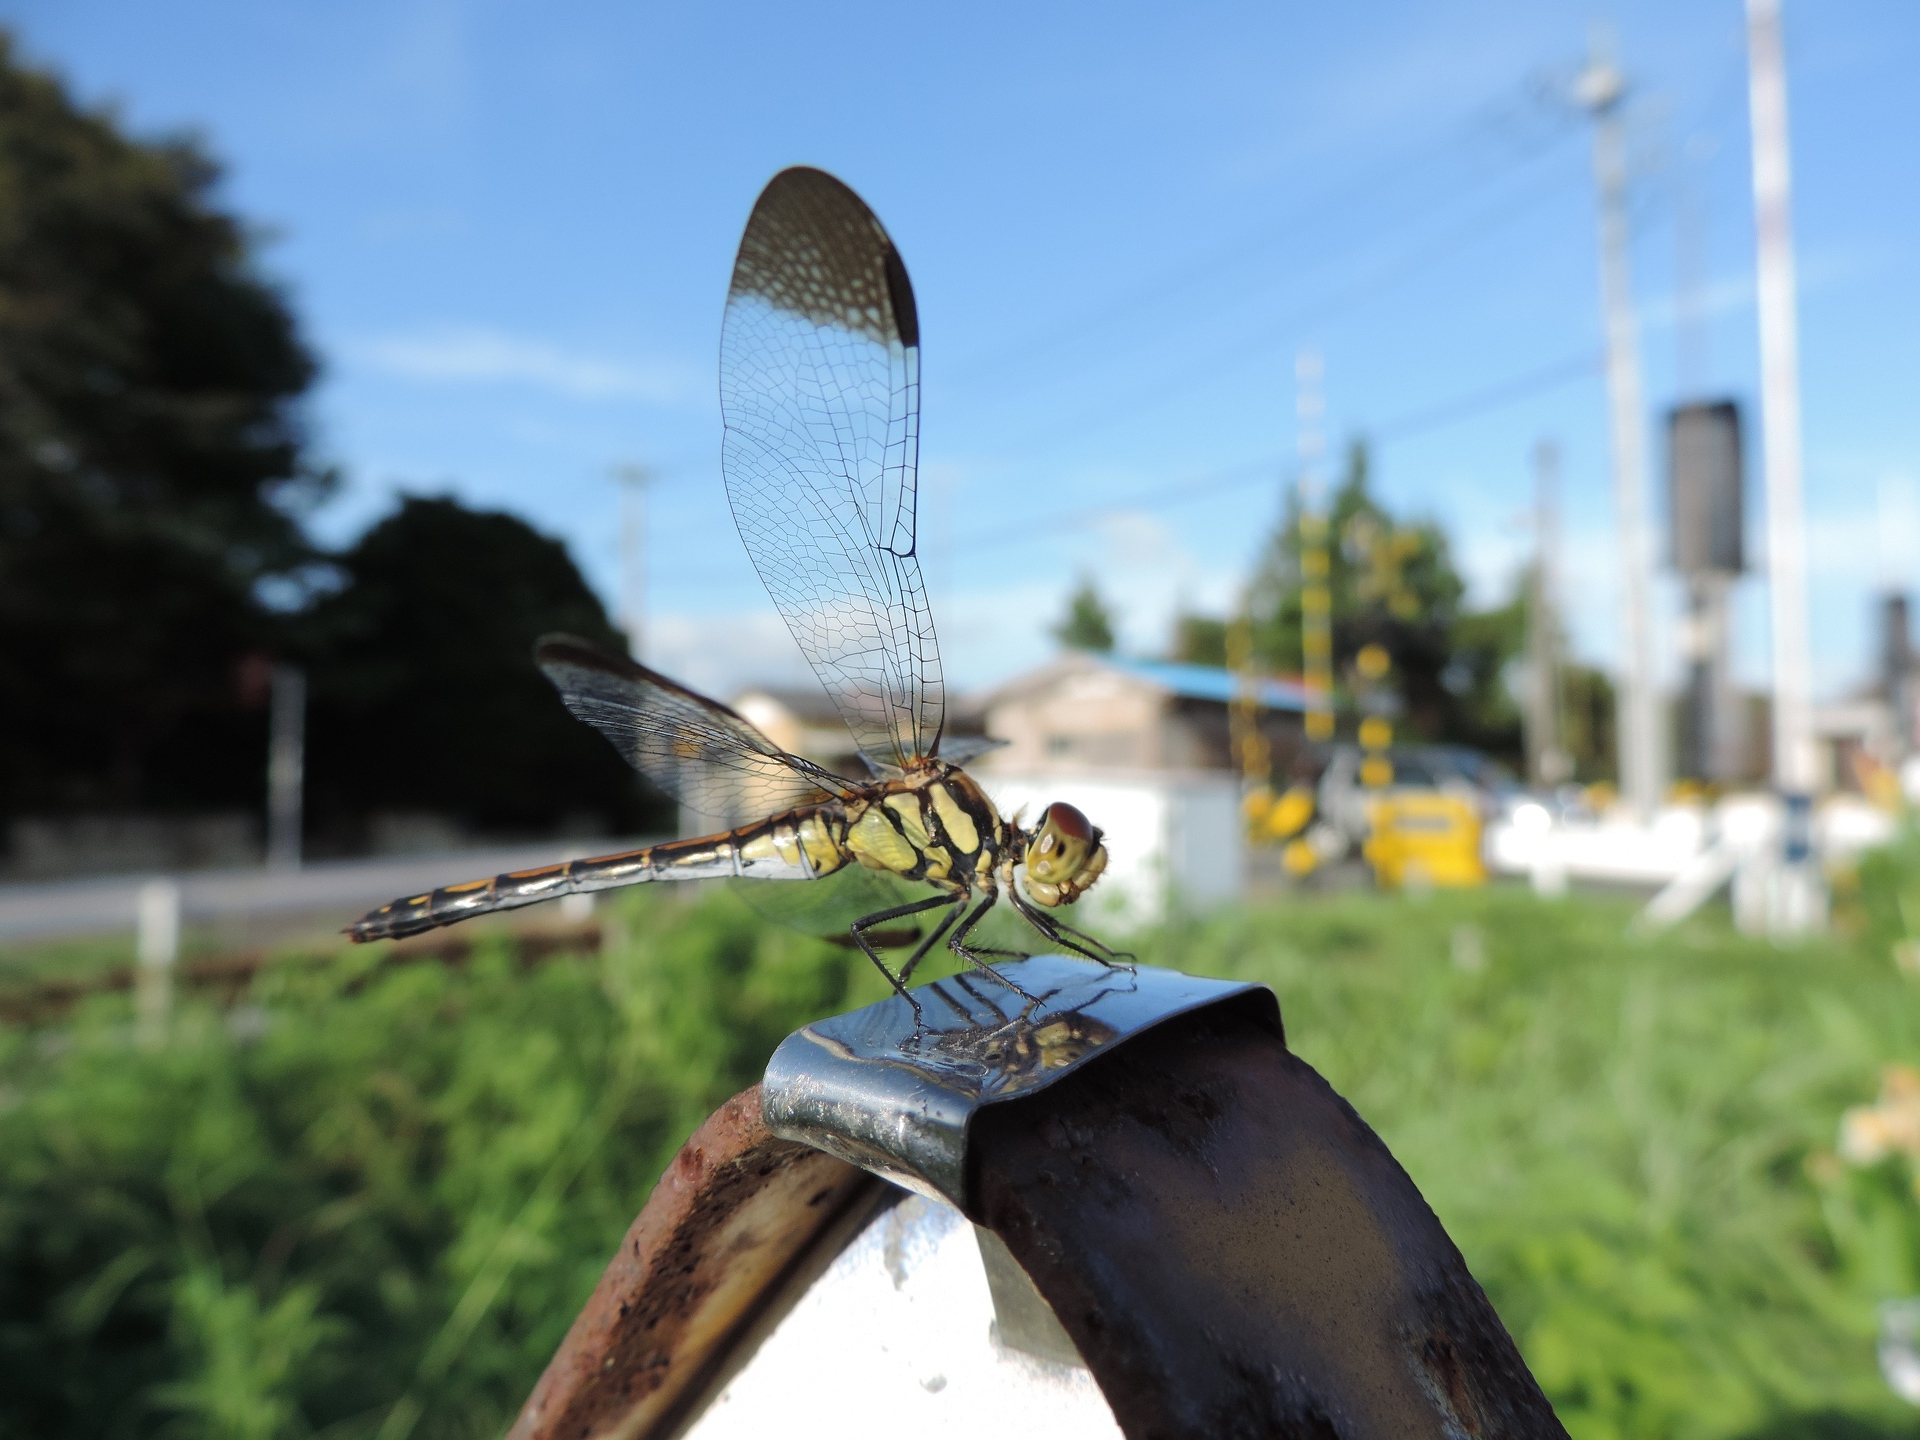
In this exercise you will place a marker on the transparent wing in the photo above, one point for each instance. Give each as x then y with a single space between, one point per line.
696 749
965 749
820 392
827 907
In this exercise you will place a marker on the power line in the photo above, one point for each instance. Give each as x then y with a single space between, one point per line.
1249 247
1182 492
1547 377
1396 271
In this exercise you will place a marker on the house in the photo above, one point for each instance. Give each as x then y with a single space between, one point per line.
1140 746
803 721
1093 712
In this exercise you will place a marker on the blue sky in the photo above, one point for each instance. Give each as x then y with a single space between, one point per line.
508 229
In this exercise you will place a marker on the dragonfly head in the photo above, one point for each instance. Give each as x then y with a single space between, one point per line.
1064 856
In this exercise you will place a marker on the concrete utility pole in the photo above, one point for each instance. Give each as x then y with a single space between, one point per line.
1799 902
286 766
634 480
1547 762
1794 762
1601 88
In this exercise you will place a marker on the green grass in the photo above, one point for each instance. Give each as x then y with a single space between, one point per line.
370 1202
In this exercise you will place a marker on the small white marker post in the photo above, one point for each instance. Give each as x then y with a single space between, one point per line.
157 948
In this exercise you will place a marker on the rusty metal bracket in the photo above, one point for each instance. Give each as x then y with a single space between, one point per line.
895 1090
1165 1194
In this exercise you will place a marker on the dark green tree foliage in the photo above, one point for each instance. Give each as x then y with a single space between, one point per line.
1199 640
1088 624
425 696
1480 676
1393 584
149 464
1587 722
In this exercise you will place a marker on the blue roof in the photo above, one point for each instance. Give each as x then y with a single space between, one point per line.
1209 682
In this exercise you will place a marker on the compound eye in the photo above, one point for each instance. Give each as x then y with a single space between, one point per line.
1056 854
1071 824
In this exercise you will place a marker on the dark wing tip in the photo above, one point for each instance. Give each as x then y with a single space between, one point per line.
563 649
813 247
555 654
906 314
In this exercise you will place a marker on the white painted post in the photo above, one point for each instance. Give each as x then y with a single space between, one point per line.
1601 88
1799 900
157 948
286 767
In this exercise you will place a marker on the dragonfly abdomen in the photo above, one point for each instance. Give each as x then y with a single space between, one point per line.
800 845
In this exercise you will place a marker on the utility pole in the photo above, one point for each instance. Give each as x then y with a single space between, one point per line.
1795 765
1601 88
286 766
1547 762
1316 564
634 480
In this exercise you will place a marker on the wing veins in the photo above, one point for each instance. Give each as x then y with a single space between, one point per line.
703 753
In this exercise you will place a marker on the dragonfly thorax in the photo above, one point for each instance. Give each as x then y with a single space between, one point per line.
936 824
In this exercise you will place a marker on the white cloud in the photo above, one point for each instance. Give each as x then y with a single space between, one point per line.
720 655
472 354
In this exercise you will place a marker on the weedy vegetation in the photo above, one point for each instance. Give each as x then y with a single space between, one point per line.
368 1200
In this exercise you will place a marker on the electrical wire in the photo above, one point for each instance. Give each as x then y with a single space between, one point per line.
1397 270
1419 422
1343 202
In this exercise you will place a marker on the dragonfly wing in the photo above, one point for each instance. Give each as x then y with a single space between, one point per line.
827 907
964 749
820 394
697 750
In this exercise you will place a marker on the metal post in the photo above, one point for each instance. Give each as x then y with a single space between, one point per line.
1547 762
634 480
1795 763
1712 728
286 767
1601 88
156 948
1316 597
1896 670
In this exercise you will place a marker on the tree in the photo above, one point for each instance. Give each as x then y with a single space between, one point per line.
425 696
1393 583
1199 640
151 477
1587 712
1485 644
1088 624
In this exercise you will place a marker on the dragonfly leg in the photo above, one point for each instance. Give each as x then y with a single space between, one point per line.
860 927
1063 934
957 942
933 937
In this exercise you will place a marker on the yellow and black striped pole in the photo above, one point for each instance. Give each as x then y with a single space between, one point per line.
1316 563
1376 731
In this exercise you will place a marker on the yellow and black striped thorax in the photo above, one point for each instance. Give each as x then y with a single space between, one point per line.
936 825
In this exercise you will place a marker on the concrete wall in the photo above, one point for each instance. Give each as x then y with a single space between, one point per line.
1175 839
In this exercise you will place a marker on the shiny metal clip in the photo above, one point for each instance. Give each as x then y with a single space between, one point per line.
894 1092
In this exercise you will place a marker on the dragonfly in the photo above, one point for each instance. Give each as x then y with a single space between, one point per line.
820 404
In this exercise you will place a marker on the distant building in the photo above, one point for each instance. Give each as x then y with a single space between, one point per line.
1141 746
803 721
1144 748
1093 712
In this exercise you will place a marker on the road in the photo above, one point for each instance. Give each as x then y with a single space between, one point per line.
102 905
